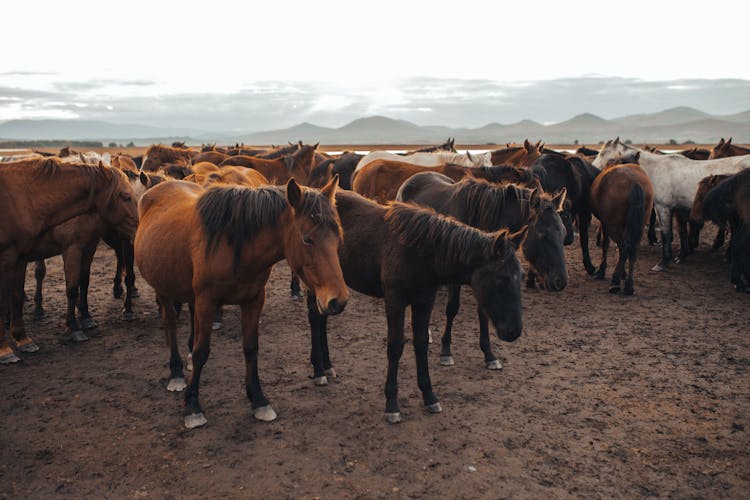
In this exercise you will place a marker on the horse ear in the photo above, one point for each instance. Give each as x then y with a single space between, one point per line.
144 179
729 141
721 143
468 155
526 145
315 147
637 157
329 189
617 140
559 198
293 193
289 162
535 198
517 238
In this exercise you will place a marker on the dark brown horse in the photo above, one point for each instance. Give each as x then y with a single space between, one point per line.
380 180
217 246
446 146
725 148
279 170
343 166
158 154
517 155
696 212
403 254
492 207
622 197
39 195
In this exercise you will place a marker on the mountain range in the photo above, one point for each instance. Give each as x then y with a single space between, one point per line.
679 124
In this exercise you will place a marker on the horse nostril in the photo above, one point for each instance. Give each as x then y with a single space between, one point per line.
335 307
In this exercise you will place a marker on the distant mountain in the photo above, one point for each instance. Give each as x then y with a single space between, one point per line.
680 124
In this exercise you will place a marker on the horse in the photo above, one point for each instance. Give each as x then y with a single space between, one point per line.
575 175
587 152
675 179
696 212
42 194
446 146
429 159
343 166
726 149
622 197
697 153
279 170
215 246
490 208
380 180
403 254
210 156
158 154
730 201
517 155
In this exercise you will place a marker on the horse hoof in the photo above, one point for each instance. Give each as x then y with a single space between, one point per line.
30 347
393 418
78 336
296 295
434 408
195 420
39 314
128 315
7 359
614 289
320 381
495 364
599 276
591 270
216 325
88 324
659 267
176 385
264 413
135 293
629 291
331 372
117 293
447 361
189 364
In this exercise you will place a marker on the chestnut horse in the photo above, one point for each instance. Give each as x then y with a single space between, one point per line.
403 254
39 195
491 207
622 197
725 149
217 246
158 154
279 170
380 180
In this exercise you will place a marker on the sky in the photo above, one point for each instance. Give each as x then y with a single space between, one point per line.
124 60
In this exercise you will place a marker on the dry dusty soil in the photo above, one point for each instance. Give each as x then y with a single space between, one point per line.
602 396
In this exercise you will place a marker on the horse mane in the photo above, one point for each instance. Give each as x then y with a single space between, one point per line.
48 167
499 173
430 233
486 202
166 154
241 213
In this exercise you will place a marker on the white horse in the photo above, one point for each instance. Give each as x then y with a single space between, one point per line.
431 159
675 179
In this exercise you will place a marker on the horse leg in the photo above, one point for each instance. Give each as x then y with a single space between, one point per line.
682 230
652 241
72 265
490 360
18 330
451 309
191 338
721 235
262 409
117 281
584 221
316 320
294 286
531 279
420 321
395 308
169 322
602 271
204 311
218 321
7 355
40 272
619 269
629 290
130 289
87 323
664 214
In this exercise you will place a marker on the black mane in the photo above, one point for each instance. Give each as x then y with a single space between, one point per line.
486 202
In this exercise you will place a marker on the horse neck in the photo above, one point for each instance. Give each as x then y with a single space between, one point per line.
505 214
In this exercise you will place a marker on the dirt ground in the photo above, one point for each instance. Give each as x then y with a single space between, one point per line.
602 396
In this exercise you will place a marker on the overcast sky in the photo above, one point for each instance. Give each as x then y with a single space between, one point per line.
326 60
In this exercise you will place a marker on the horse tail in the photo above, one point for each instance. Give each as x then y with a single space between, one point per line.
635 221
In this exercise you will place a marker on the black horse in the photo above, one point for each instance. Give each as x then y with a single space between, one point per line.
491 207
576 175
404 253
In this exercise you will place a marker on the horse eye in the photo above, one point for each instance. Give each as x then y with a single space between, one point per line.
307 240
125 196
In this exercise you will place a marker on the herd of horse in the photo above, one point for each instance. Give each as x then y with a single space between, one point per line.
205 228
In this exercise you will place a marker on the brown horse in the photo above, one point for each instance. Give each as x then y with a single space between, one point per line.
238 176
518 156
210 156
380 180
725 148
696 212
39 195
279 170
622 197
217 246
158 154
124 162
